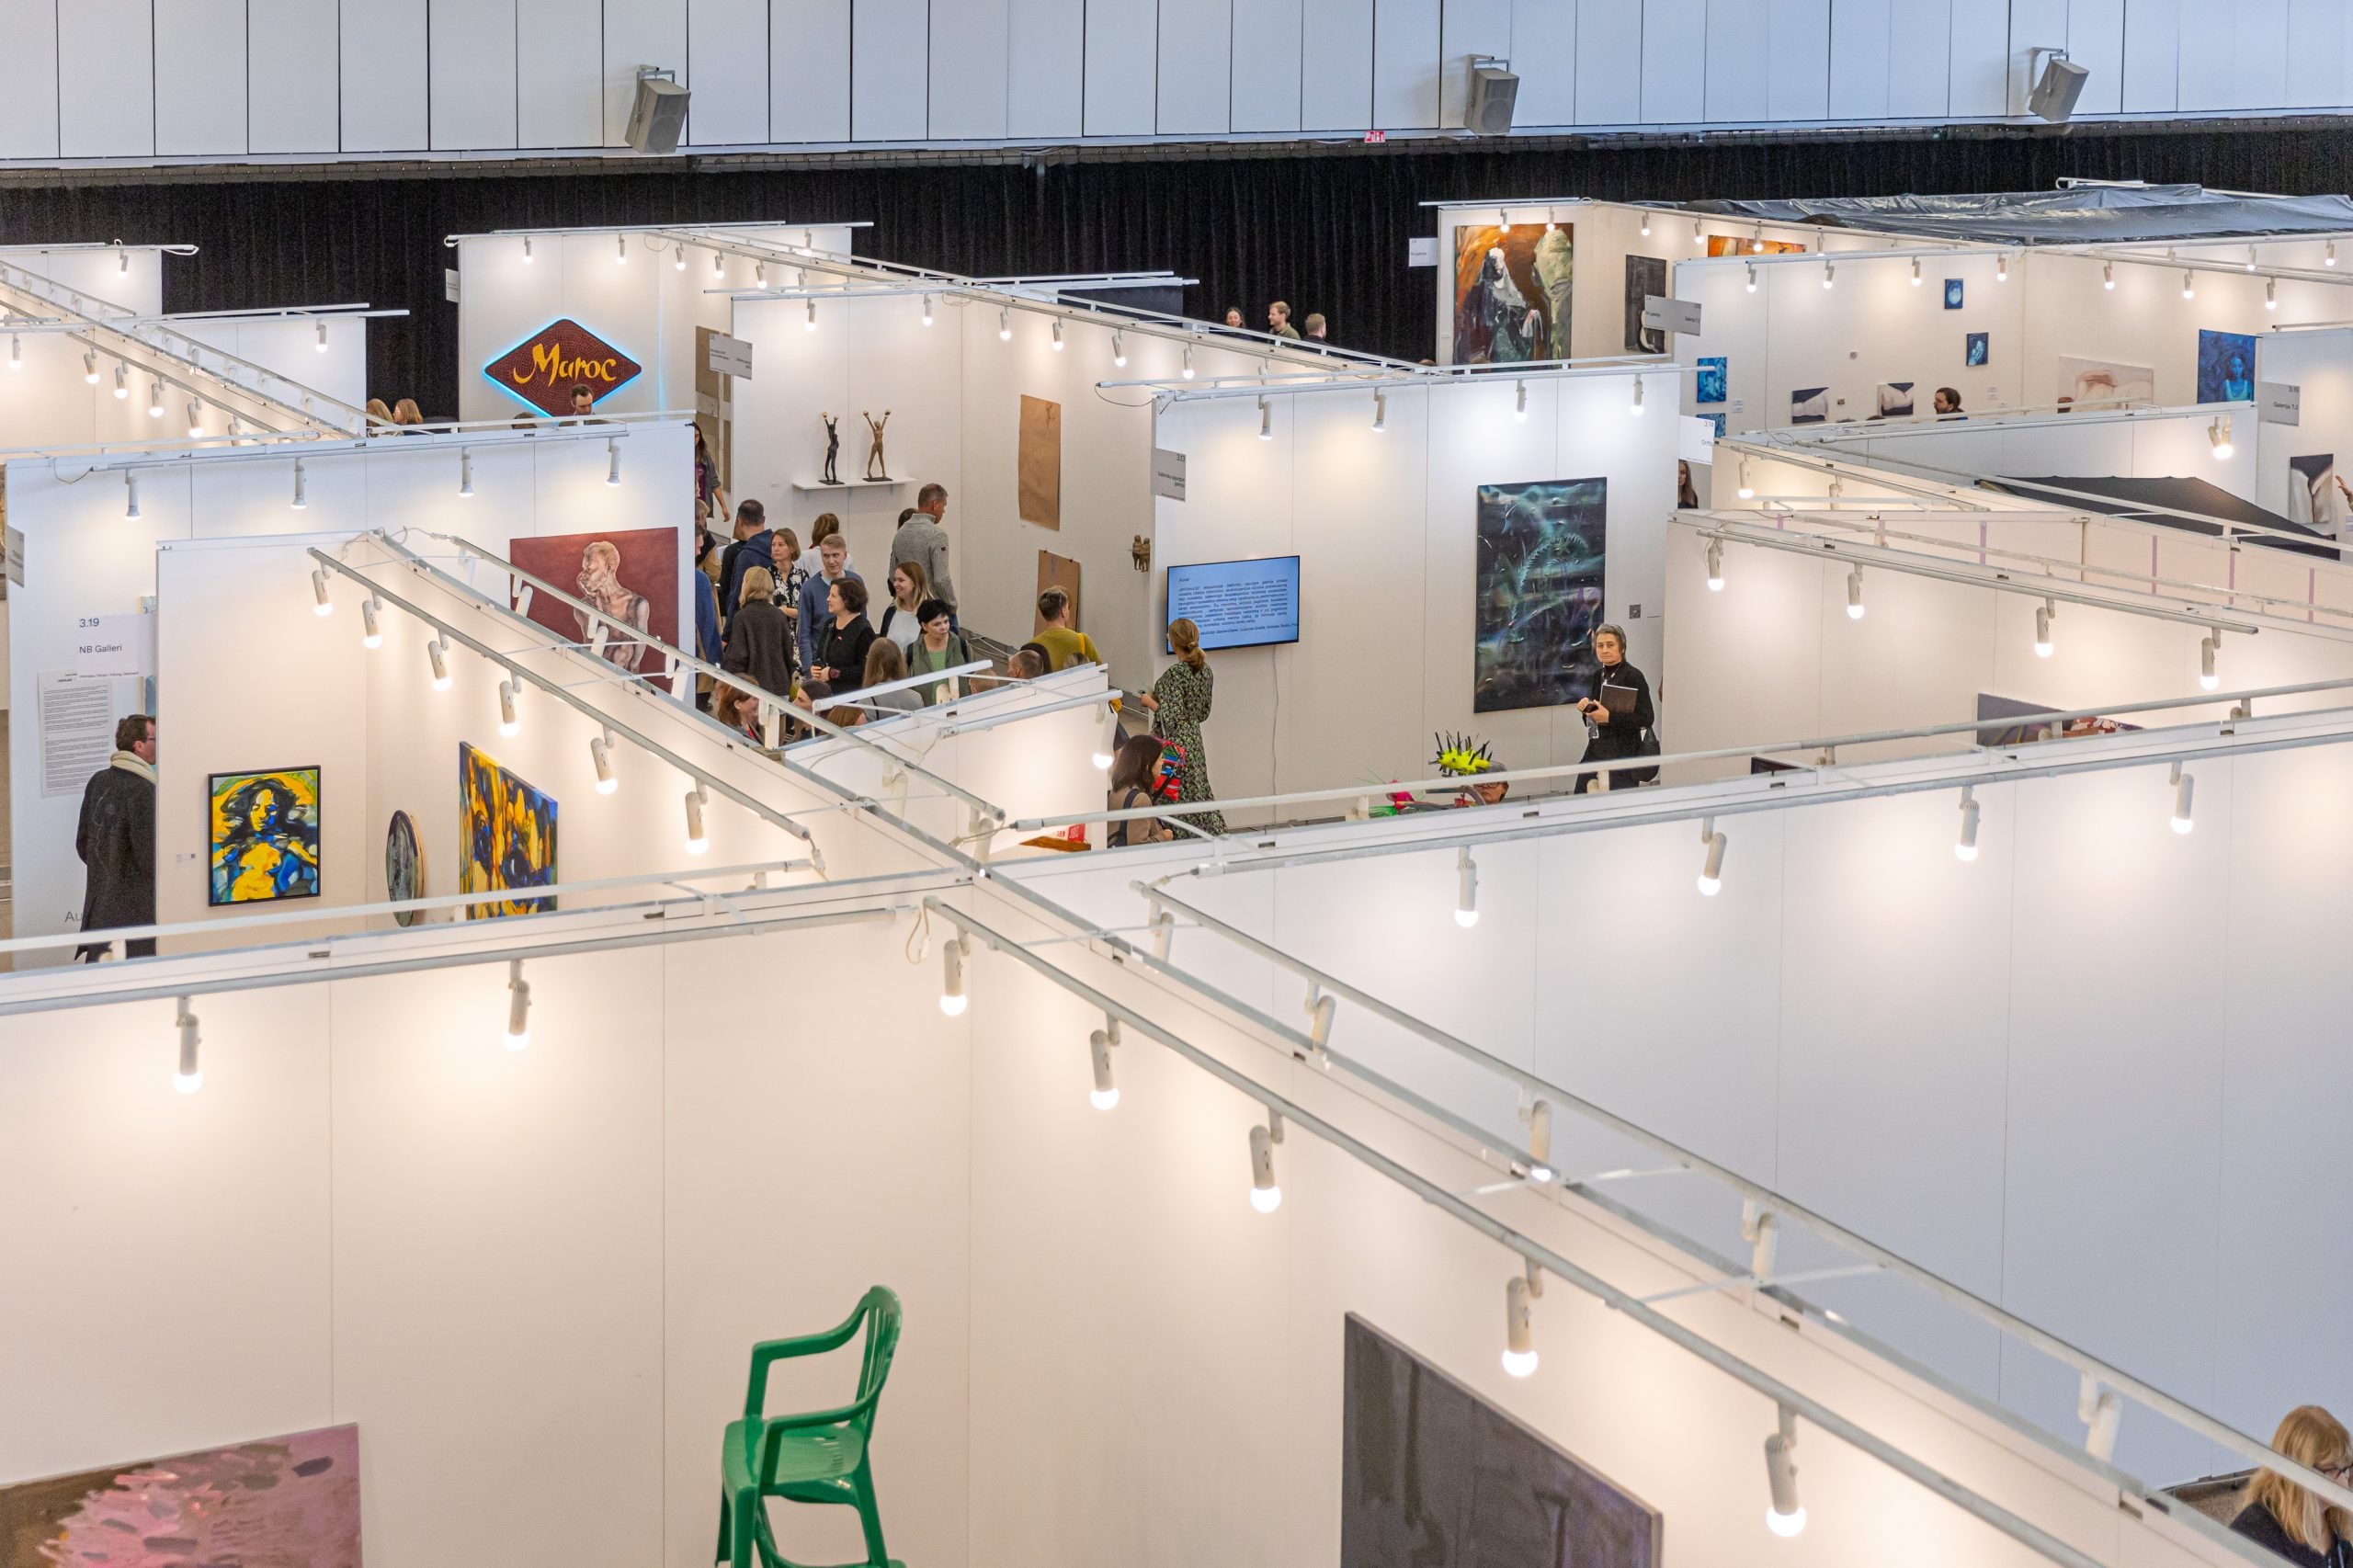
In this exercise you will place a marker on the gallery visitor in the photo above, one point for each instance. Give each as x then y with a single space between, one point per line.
1234 321
885 663
2298 1524
584 401
753 546
832 566
1279 321
1687 495
1180 703
1061 645
1618 714
1135 770
923 539
1947 402
707 487
1029 662
759 640
847 635
116 840
941 647
736 709
1315 329
899 623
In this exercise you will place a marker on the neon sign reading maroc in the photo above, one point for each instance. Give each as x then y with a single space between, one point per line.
543 369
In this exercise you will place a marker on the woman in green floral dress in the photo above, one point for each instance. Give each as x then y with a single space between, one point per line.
1179 701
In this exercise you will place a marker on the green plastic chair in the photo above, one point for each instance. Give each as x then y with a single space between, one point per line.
819 1456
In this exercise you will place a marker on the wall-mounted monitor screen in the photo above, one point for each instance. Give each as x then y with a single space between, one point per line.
1238 603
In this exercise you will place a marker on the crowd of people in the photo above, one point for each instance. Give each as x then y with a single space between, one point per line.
1279 323
816 633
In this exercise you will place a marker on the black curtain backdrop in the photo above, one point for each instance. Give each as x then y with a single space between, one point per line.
1326 228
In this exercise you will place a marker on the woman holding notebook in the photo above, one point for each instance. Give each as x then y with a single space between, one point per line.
1617 715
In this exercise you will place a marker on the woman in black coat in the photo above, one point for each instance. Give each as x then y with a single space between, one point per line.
843 641
1613 732
759 640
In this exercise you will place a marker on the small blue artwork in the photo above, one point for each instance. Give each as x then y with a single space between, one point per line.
1952 293
1717 420
2226 366
1979 353
1710 381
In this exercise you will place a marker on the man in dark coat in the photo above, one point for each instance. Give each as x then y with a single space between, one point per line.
116 840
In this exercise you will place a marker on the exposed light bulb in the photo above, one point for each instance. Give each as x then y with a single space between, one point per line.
2218 435
322 604
2044 616
1519 1332
952 999
1266 1195
2328 256
155 400
188 1075
1466 889
1539 1140
698 841
2271 293
1107 745
1106 1094
1119 350
436 654
2250 258
90 365
1746 492
370 633
1757 246
1966 846
121 379
1058 335
1915 272
2189 286
1503 219
1829 274
600 755
1187 372
519 1008
1647 225
2002 268
194 419
1004 323
1855 594
926 310
2108 275
1711 872
2208 647
1715 566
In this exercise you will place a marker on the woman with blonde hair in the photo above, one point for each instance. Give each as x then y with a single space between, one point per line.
406 413
760 641
1179 701
377 413
2294 1522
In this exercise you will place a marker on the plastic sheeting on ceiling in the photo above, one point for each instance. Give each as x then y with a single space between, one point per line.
2137 497
2085 214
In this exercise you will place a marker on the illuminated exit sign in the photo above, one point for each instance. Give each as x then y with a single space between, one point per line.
544 367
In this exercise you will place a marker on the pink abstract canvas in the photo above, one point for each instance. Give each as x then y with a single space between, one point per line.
284 1503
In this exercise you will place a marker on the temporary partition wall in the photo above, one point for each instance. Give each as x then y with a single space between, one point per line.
1106 1352
2058 1076
87 559
2140 443
2054 328
1385 524
623 288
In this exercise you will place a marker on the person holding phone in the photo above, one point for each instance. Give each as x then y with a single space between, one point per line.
1618 714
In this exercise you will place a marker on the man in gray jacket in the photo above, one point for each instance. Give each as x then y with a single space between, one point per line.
921 540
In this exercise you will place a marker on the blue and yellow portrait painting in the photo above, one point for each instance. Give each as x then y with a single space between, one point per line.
263 835
507 832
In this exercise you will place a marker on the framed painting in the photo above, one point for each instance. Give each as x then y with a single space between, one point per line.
1511 292
630 574
507 837
262 836
1542 548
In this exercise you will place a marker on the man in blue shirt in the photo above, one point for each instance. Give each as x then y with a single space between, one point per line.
833 565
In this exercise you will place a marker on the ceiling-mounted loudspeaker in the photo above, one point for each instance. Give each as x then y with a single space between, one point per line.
1494 90
2055 91
658 118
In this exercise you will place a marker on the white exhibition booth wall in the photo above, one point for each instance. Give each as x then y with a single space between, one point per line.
372 1213
296 682
1774 657
2142 443
2060 1076
1385 524
646 307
